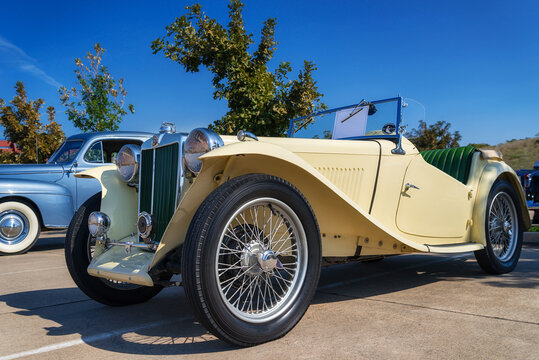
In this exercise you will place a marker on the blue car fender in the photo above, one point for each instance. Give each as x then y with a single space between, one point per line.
53 201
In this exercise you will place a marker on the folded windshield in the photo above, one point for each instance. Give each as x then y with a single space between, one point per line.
379 118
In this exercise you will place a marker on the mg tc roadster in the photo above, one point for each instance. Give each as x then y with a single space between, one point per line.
248 222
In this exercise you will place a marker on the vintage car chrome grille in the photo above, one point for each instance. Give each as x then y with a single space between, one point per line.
158 187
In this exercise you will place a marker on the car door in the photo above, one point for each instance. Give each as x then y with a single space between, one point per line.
432 203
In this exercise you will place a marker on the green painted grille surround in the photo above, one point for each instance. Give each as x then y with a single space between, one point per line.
455 162
165 185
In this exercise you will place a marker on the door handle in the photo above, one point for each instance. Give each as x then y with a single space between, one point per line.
408 186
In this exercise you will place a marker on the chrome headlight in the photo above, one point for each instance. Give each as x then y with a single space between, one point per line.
198 142
98 223
128 160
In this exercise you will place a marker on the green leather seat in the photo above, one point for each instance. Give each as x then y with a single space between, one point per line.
455 162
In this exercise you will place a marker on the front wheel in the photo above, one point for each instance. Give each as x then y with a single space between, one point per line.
251 259
19 227
503 229
79 248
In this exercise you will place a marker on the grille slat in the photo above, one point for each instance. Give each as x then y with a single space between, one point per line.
165 185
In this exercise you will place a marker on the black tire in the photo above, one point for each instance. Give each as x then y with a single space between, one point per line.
202 283
493 259
77 259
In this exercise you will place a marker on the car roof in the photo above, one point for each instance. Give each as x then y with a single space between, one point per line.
110 134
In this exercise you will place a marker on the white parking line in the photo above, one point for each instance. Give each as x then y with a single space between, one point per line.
90 339
348 282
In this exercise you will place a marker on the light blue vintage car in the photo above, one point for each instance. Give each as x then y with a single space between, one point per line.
45 196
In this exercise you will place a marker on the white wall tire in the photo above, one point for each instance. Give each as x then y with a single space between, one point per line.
19 228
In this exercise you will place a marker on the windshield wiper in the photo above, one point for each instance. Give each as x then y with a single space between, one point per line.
353 112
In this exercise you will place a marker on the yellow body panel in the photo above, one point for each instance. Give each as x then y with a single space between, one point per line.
353 206
118 201
417 215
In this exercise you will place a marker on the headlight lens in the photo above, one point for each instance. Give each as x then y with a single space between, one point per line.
198 142
98 223
128 160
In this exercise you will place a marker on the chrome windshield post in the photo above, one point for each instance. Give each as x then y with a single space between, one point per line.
399 150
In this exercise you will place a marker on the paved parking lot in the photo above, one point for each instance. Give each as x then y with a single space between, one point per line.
409 307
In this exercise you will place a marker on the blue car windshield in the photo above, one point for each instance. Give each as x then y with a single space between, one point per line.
364 120
66 152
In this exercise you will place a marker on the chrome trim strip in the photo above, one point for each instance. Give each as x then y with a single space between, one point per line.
153 178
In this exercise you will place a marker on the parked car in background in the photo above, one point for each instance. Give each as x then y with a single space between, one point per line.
530 182
36 196
248 222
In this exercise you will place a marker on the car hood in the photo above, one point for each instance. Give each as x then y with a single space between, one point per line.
44 172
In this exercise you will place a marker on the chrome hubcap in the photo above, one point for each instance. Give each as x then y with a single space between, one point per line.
503 226
14 227
261 260
11 226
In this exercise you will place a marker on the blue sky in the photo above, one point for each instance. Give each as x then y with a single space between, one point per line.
472 63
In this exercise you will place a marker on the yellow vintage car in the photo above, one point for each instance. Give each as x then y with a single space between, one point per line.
248 222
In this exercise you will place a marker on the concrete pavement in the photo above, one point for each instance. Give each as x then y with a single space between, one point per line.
407 307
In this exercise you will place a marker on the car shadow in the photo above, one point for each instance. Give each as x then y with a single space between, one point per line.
49 240
165 325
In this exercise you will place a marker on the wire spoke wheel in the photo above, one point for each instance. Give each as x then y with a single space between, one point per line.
503 226
261 260
251 259
503 230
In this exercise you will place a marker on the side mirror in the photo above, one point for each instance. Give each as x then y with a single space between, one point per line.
73 166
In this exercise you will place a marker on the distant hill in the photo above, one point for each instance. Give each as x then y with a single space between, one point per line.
519 154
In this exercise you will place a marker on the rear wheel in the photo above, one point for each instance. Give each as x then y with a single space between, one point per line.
251 259
503 229
79 250
19 227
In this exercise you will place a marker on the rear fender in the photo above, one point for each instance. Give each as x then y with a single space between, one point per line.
485 176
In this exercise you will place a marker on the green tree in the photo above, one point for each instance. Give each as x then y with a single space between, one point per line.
435 136
258 100
23 127
97 102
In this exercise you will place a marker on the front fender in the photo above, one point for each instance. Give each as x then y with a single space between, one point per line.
343 224
54 201
12 187
118 200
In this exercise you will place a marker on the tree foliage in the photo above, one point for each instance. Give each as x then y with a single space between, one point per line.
23 127
258 100
97 102
434 136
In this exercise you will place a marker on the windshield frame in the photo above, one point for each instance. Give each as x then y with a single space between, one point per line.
398 99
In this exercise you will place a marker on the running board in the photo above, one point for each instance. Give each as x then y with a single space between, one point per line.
454 248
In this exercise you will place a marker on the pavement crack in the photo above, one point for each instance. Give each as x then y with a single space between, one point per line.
427 308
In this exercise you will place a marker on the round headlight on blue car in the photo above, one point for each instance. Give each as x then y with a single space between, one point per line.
127 161
198 142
